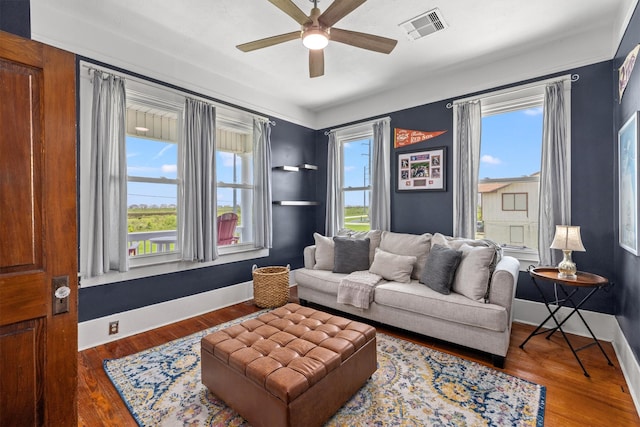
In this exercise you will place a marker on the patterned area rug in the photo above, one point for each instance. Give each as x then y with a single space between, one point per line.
413 386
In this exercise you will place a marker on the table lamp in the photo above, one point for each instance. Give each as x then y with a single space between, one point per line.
567 239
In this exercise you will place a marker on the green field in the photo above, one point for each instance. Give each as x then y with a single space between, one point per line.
158 219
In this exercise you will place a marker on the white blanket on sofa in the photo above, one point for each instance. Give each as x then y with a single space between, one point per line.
357 289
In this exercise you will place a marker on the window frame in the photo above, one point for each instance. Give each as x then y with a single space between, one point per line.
359 133
515 204
154 92
512 99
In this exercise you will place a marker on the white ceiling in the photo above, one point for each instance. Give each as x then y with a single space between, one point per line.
192 44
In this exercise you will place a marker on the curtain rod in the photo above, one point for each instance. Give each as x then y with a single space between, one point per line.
327 132
125 76
572 77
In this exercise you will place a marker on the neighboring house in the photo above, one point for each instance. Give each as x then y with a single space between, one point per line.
508 210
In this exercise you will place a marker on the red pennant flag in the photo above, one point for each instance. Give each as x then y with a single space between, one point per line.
404 137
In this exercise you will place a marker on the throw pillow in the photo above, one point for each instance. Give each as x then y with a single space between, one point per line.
373 235
440 268
350 255
324 252
472 276
408 244
393 267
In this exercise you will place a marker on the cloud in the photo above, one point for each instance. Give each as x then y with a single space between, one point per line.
490 160
349 168
164 149
169 168
533 111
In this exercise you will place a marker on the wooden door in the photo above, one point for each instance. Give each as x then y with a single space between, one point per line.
38 241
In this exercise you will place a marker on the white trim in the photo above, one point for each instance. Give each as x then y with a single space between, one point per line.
628 364
532 313
357 129
170 267
95 332
514 90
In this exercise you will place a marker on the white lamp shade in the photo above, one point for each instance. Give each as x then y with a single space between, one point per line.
568 238
315 39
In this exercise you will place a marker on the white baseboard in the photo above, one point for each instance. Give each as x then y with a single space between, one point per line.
532 313
628 364
96 332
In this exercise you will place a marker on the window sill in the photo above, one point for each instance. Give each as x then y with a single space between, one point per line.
526 257
154 269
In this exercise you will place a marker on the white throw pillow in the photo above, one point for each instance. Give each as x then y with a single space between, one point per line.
416 245
472 275
324 252
392 267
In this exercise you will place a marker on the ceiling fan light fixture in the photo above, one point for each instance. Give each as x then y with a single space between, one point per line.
315 38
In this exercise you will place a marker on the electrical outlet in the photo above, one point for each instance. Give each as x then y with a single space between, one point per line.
113 327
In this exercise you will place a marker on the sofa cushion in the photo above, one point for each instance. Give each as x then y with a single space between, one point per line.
350 254
393 267
440 268
373 235
319 280
408 244
472 276
324 252
453 307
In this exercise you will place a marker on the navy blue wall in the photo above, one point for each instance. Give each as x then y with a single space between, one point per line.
15 17
592 180
293 229
627 265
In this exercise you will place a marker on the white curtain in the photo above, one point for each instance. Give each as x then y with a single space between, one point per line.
555 170
106 247
380 210
467 122
334 208
198 227
262 180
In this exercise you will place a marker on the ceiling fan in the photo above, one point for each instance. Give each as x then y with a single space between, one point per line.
317 30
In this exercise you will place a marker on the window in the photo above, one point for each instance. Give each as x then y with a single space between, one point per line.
154 129
356 179
510 152
234 174
153 186
514 201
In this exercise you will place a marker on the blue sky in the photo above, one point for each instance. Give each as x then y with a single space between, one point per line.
511 144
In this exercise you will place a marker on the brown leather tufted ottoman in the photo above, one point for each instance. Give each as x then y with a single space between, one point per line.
292 366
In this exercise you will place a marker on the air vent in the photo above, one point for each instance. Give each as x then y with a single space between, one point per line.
425 24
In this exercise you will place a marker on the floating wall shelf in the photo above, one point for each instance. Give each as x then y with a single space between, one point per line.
304 166
295 203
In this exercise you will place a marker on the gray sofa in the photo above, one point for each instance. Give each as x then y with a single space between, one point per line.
479 323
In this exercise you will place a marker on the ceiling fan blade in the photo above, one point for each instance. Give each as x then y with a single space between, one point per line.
338 10
363 40
316 62
288 7
269 41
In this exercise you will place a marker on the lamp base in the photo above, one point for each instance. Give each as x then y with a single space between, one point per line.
567 268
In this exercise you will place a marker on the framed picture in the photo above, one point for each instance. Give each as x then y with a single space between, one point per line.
628 184
423 170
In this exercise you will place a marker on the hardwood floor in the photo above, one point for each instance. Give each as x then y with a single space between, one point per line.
572 399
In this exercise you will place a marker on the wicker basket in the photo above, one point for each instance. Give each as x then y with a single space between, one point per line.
270 286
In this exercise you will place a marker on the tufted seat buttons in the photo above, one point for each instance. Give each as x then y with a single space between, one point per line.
286 352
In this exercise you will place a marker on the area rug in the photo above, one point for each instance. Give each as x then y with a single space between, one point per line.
413 386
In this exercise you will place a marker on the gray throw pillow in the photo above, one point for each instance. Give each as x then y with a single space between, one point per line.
350 255
440 268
